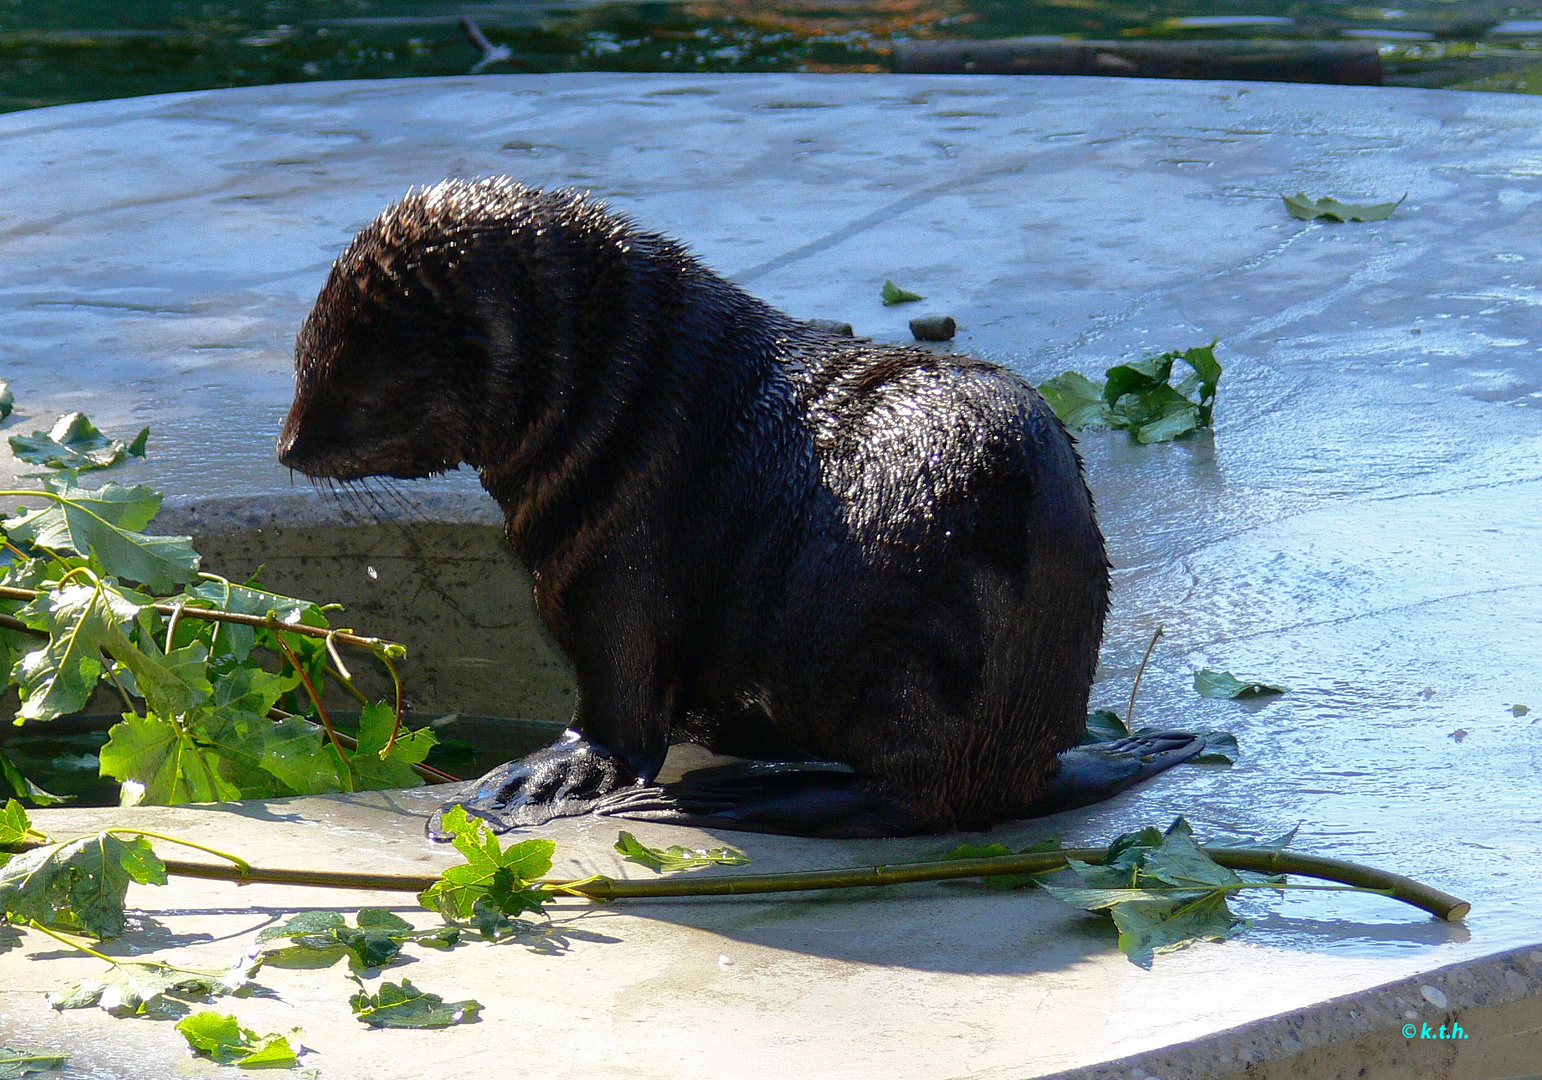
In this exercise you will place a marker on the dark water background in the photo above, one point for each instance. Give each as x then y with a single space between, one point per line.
58 51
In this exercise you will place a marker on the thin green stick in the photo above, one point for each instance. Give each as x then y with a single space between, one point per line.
1267 861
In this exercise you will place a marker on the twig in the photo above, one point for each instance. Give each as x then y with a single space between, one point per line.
263 622
1129 710
1268 861
310 688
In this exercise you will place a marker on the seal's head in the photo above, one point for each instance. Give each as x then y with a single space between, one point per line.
417 331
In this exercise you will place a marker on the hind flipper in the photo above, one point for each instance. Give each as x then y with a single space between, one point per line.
1090 774
786 799
570 777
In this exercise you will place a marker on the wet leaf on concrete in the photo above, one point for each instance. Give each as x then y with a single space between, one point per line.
1223 684
1139 397
675 858
405 1006
893 294
221 1037
502 880
80 884
1306 208
153 988
1161 889
375 939
75 443
20 1061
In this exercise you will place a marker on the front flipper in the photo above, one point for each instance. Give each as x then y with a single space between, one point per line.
1090 774
571 777
785 798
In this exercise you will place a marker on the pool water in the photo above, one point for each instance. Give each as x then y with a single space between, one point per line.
84 50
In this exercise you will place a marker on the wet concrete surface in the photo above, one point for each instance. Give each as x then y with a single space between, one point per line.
1364 524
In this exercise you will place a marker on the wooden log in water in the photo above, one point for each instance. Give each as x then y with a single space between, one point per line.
1344 63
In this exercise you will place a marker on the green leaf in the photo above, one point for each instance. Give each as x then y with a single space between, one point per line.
152 987
405 1006
221 1037
1302 206
1161 889
75 443
7 399
247 600
1104 725
79 884
1077 400
17 1061
501 879
1148 927
20 785
375 940
105 522
15 826
171 683
1223 684
1138 376
1005 881
1138 396
1178 421
893 294
1220 749
82 620
160 764
675 857
375 767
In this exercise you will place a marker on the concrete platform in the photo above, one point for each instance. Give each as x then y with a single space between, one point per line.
1365 526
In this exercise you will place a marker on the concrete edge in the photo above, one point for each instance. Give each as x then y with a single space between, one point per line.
1436 997
197 516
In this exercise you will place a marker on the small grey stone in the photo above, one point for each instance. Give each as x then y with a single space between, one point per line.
933 328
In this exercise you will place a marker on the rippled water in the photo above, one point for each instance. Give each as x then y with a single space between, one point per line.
85 50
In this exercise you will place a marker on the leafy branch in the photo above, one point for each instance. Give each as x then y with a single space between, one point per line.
90 597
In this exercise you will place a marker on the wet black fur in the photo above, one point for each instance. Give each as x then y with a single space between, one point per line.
773 541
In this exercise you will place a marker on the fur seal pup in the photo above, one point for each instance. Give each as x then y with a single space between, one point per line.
873 561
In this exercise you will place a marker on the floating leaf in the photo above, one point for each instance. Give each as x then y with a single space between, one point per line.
501 879
221 1037
75 443
78 884
1223 684
17 1061
405 1006
105 522
20 785
675 857
1309 209
893 294
1220 749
